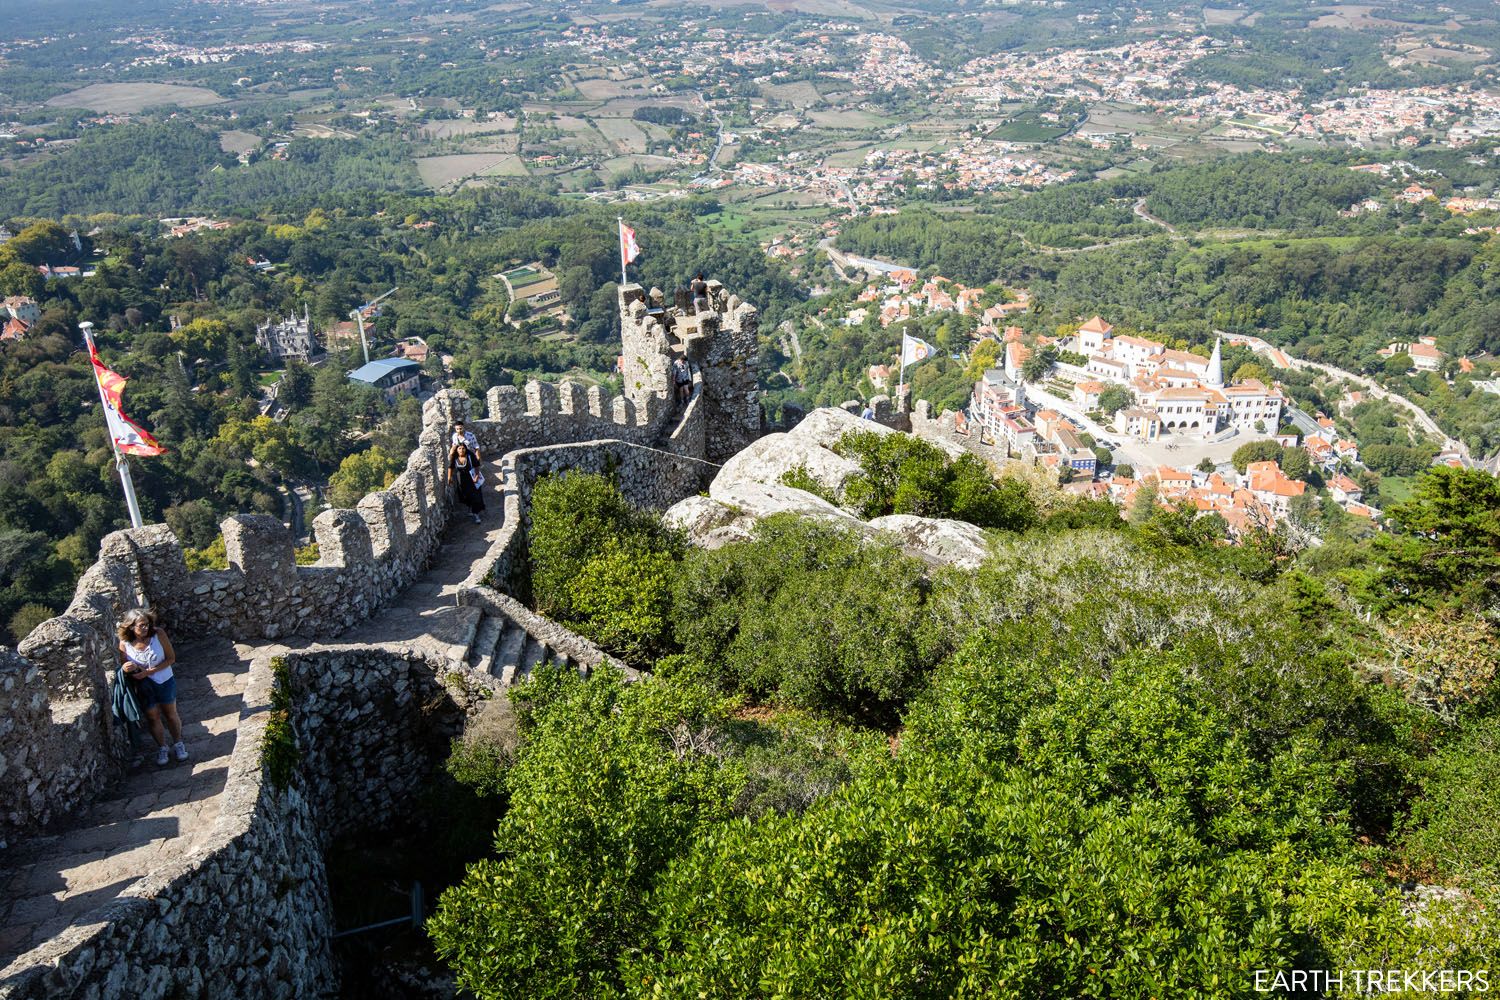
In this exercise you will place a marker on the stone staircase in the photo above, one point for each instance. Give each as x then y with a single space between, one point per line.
509 653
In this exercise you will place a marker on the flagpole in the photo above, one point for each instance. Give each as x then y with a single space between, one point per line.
122 464
624 276
901 377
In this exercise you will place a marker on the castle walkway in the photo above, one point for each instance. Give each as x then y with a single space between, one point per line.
155 816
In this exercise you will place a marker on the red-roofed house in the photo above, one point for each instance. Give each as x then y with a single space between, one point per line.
1345 490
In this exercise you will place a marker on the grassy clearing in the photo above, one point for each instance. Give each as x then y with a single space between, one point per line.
623 134
1396 489
127 98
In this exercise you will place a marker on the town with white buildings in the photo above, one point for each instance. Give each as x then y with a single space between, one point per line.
1172 412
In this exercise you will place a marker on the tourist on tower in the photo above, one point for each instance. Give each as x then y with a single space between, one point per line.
147 657
467 479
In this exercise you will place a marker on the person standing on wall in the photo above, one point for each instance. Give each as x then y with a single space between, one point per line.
147 657
462 435
465 476
682 378
700 294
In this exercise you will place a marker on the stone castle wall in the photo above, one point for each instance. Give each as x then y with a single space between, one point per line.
61 749
247 915
648 478
241 917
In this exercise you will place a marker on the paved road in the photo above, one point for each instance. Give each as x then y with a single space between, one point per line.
1139 208
1423 418
713 159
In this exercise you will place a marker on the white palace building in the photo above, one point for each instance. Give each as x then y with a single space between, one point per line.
1175 391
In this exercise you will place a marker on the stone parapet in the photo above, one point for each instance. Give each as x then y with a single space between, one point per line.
647 477
247 916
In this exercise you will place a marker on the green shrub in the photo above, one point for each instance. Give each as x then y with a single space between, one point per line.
622 598
278 745
601 565
1452 834
811 615
800 479
900 474
213 556
27 617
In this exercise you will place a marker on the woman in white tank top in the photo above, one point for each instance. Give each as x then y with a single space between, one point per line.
147 656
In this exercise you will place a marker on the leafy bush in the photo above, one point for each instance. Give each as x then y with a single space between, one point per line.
1453 831
362 473
28 617
901 474
1148 851
810 615
800 479
622 598
613 780
600 565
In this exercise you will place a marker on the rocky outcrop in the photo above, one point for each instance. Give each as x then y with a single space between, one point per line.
731 513
773 456
938 540
750 488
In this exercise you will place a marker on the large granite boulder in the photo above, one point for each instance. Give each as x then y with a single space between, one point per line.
936 539
749 488
773 456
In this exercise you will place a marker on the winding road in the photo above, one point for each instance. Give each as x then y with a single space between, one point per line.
1422 417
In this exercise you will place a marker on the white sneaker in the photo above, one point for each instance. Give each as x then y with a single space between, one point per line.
180 750
161 756
477 519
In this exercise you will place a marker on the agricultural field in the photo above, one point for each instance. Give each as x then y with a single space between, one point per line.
852 119
128 98
1029 126
464 127
238 142
801 94
443 172
623 133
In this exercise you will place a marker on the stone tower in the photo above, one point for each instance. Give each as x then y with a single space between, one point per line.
721 342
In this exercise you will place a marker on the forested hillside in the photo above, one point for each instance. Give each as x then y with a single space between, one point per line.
170 169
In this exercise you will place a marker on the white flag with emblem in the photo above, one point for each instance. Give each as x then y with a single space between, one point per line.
914 349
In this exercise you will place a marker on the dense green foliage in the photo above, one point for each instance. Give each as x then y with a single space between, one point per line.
601 565
1259 192
1135 776
900 474
176 168
809 615
1455 825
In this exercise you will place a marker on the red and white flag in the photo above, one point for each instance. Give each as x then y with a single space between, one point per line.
128 436
629 248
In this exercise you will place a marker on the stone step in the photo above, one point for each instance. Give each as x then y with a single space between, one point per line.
534 656
462 626
508 654
486 641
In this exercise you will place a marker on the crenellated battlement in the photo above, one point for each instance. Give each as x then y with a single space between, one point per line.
58 747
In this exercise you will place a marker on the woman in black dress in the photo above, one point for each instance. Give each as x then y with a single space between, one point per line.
464 474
